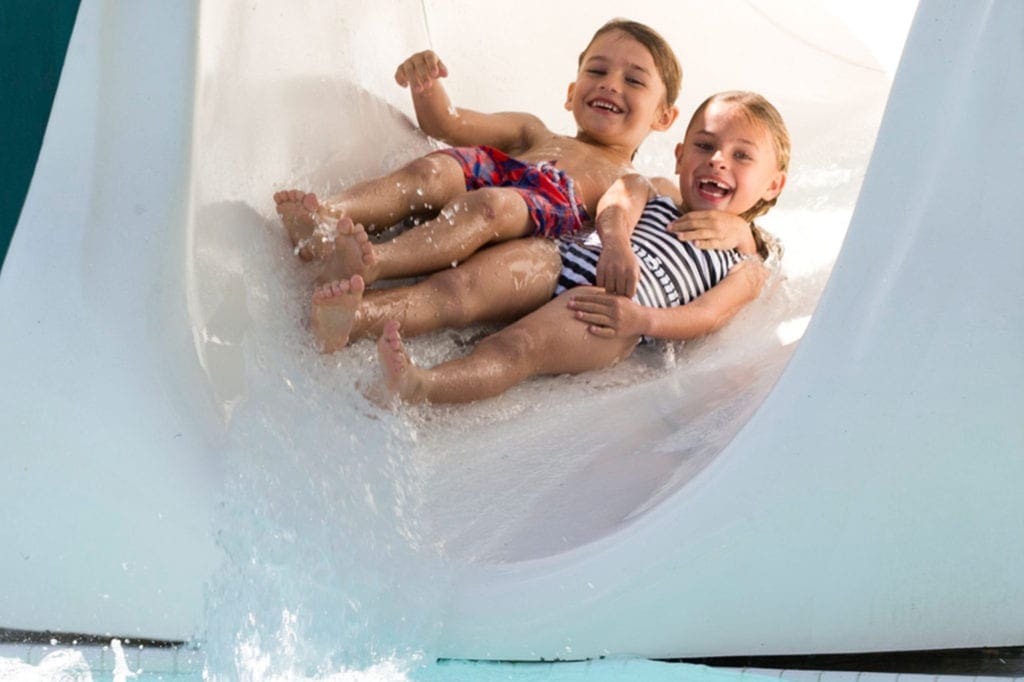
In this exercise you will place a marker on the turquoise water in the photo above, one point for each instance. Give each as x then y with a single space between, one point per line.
101 665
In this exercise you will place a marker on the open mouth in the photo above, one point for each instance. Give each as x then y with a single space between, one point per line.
605 105
713 189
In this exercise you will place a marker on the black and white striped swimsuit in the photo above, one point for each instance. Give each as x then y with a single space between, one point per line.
672 272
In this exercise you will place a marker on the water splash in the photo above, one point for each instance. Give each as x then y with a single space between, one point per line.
327 569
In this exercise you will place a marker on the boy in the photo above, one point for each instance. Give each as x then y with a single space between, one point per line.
508 175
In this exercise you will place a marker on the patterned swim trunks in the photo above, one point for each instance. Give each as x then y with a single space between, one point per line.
548 192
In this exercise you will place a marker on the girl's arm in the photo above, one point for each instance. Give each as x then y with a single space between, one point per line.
611 316
438 118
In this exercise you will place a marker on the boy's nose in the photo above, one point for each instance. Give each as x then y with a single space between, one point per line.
717 159
610 83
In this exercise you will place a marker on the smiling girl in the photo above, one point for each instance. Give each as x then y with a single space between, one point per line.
734 158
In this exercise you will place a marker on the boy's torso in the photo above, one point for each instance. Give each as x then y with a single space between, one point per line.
590 167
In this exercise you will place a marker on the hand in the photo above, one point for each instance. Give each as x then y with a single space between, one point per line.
607 315
618 270
420 71
715 230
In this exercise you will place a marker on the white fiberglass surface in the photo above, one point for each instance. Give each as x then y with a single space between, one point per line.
336 521
516 477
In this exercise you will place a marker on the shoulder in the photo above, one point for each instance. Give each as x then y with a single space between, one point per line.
531 127
660 210
667 188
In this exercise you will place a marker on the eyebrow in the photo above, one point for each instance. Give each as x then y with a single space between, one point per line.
741 139
605 60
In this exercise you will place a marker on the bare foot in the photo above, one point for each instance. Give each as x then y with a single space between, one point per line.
402 379
304 219
353 254
334 311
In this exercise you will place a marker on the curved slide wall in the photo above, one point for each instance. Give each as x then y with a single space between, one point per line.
860 497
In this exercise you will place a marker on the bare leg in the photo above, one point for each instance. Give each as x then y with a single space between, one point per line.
422 186
334 309
546 342
500 283
466 225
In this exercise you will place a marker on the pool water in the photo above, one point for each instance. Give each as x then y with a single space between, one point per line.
101 664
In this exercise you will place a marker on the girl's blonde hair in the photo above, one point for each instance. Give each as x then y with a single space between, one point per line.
760 112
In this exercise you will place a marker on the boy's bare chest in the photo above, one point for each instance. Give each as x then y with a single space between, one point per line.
592 171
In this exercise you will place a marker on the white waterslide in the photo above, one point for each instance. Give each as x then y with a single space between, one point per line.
747 494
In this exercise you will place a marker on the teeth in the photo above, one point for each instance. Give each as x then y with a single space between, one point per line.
605 105
715 183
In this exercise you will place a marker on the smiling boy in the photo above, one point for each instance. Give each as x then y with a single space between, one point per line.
507 175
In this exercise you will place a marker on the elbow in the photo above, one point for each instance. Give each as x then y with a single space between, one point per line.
711 321
708 320
439 130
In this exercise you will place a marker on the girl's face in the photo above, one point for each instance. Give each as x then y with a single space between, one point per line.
727 162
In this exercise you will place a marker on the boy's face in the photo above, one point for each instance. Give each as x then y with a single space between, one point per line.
727 162
619 96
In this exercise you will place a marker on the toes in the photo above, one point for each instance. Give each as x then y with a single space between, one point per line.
321 292
346 226
308 200
339 287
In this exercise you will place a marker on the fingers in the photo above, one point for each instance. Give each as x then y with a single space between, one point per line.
629 286
594 310
615 281
703 240
700 233
420 71
711 229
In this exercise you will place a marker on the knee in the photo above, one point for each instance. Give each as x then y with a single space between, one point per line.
454 288
493 204
517 347
430 171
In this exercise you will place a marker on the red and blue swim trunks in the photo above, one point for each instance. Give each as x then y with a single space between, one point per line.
549 193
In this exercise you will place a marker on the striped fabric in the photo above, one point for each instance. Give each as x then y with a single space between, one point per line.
672 272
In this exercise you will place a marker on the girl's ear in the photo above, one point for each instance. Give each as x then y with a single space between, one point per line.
679 155
666 117
773 190
568 96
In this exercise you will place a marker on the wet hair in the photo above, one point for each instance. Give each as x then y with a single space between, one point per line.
760 112
664 58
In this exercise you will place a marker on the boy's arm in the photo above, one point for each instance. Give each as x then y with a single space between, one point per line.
618 212
437 117
611 316
716 230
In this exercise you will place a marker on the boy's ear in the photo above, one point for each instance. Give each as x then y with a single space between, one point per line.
666 117
568 96
773 190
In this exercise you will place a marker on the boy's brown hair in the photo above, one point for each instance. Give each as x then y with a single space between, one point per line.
664 58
